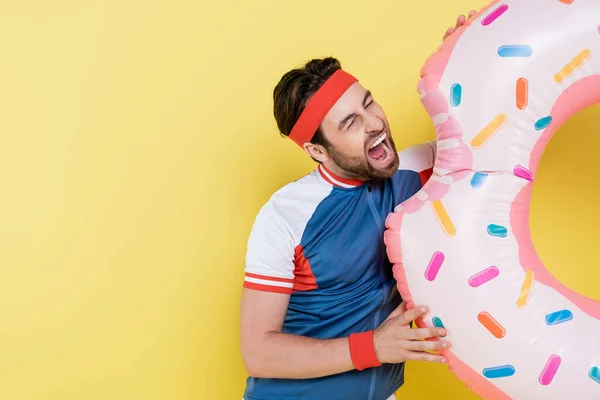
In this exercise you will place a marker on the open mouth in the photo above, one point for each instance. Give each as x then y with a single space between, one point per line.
380 150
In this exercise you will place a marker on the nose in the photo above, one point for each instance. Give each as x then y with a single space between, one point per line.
374 123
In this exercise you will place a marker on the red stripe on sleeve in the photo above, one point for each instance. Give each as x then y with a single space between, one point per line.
269 278
267 288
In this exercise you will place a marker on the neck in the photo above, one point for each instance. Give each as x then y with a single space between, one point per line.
338 177
341 173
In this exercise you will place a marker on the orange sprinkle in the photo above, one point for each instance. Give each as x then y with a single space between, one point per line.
491 324
522 93
567 1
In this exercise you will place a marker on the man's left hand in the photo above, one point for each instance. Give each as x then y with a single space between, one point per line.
460 21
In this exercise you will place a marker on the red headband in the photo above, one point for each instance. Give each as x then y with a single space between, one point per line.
319 105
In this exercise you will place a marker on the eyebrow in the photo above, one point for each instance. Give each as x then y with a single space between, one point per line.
350 116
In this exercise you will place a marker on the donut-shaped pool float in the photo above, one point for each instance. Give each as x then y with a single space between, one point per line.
496 92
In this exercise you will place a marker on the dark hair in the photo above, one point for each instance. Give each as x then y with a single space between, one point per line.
294 90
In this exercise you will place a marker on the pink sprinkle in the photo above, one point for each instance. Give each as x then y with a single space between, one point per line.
523 172
550 369
434 265
482 277
494 15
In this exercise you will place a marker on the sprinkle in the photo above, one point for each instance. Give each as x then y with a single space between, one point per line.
490 130
437 322
523 172
525 289
501 371
522 93
573 65
491 324
497 230
559 317
550 370
478 179
543 123
494 15
516 50
567 1
594 373
443 218
435 263
484 276
455 94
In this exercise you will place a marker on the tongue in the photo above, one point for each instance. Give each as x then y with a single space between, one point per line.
377 152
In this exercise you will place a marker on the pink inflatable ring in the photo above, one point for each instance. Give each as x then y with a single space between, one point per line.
496 92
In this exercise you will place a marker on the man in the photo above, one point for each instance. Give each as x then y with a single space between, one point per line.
321 317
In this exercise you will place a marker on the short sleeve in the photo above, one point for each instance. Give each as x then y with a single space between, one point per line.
270 254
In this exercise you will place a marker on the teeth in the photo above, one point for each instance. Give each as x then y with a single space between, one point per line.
387 152
379 140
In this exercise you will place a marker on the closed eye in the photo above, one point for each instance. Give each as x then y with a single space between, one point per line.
368 96
367 102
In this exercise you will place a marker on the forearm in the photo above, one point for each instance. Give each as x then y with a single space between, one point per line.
281 355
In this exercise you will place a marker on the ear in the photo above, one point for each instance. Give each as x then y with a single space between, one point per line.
316 151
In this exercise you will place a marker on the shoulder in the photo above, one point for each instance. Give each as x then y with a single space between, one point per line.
286 213
276 234
300 197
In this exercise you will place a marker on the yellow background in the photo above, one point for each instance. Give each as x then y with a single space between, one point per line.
137 145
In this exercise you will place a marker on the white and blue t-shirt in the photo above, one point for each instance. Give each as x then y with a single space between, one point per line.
320 240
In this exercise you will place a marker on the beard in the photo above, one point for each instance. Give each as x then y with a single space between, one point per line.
361 168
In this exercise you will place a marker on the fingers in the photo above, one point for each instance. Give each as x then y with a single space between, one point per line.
460 21
449 32
426 333
411 315
428 345
422 356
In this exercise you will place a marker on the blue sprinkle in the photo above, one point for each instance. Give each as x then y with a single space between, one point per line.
594 373
438 323
516 50
499 372
543 123
455 94
478 179
559 317
497 230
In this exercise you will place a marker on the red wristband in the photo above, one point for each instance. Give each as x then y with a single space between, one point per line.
362 351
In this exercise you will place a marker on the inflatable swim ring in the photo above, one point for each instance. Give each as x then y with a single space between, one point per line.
496 92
